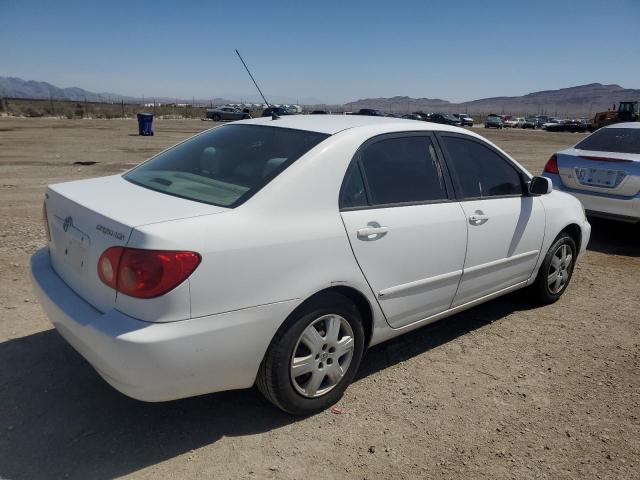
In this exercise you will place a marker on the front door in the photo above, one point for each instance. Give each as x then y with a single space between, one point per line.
407 232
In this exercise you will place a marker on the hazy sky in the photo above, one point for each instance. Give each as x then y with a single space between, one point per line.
333 51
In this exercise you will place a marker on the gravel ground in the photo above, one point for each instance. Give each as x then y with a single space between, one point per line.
506 390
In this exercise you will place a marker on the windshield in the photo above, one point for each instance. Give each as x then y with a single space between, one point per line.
621 140
224 166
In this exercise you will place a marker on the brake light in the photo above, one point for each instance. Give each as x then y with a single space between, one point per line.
605 159
145 273
552 165
45 218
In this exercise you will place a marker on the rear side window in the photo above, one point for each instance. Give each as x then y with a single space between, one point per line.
395 170
620 140
224 166
481 172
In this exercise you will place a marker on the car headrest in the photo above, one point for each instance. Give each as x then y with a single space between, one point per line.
272 164
210 160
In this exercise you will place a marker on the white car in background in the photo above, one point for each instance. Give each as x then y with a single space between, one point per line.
275 252
602 171
511 122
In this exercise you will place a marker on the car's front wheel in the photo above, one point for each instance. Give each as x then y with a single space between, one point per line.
314 356
216 118
556 270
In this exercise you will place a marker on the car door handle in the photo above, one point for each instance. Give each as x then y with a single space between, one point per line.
372 232
478 218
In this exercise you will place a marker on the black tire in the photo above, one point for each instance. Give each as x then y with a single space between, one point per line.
216 118
246 117
274 380
540 289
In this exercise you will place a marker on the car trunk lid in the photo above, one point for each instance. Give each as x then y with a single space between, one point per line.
88 216
600 172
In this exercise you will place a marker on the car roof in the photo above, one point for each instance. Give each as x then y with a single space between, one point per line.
624 125
332 124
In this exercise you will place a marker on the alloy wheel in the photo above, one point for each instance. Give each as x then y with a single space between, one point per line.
322 356
560 269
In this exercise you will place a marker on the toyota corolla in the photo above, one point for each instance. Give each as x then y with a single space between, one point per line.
275 252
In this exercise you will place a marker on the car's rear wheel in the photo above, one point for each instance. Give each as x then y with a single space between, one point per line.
556 270
314 356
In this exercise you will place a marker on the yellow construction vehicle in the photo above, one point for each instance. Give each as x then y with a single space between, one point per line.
626 112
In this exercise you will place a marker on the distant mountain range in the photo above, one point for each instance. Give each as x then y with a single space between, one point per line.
579 100
13 87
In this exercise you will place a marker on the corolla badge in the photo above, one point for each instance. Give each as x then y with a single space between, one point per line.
68 222
111 233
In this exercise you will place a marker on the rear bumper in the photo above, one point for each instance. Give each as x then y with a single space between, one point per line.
602 205
160 361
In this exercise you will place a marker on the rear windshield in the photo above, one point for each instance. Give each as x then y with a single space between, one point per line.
225 166
621 140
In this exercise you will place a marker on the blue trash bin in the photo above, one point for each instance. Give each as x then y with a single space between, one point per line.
145 124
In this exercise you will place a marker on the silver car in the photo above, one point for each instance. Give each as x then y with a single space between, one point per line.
602 171
226 113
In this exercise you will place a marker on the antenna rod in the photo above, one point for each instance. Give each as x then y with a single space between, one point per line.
254 81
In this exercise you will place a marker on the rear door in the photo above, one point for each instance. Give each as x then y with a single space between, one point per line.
406 230
505 225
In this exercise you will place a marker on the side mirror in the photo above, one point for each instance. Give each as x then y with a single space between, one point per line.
540 186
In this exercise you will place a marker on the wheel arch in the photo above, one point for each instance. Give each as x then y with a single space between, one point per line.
575 232
352 294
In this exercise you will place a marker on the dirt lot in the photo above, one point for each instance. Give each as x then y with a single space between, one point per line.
506 390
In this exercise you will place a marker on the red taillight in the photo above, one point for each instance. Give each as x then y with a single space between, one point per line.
45 218
145 273
552 165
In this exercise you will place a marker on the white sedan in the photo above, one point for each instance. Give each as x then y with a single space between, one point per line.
602 171
275 252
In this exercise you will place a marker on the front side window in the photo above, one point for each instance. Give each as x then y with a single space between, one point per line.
481 172
226 165
396 170
621 140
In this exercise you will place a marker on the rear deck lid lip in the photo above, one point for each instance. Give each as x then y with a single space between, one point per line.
578 153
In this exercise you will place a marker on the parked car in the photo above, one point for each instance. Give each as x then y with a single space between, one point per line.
444 118
280 111
412 116
505 119
465 119
370 112
541 120
393 115
567 126
275 252
529 122
493 121
319 112
423 116
512 122
602 171
226 113
551 122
